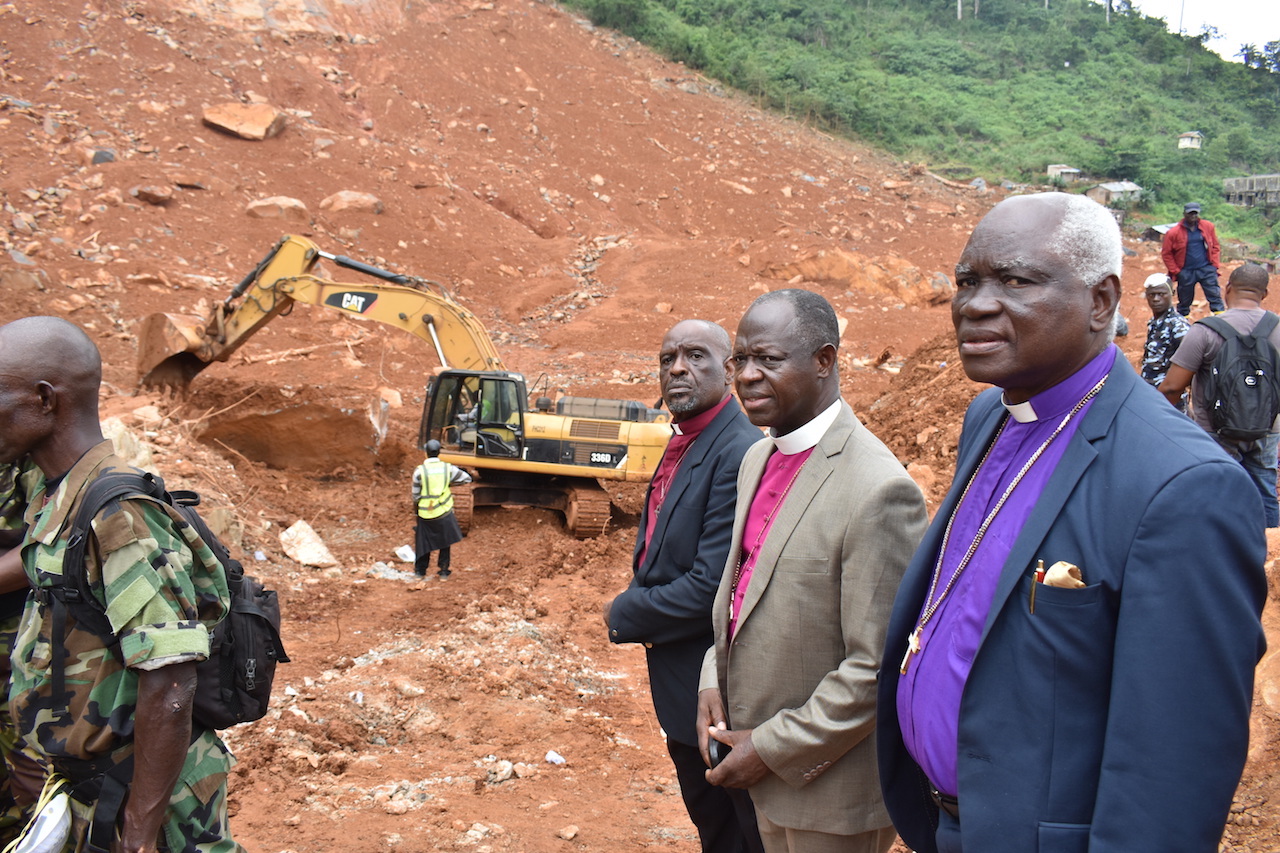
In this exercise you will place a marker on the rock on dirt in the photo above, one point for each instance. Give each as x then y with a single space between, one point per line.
247 121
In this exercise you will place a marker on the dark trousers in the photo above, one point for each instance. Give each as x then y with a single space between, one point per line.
1259 461
1208 278
422 554
725 817
948 834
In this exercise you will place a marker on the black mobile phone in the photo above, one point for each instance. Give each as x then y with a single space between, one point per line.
718 751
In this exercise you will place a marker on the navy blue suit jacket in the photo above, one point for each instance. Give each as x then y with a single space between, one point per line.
1116 717
668 605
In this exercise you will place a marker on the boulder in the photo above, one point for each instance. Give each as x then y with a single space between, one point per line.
278 207
126 444
12 280
247 121
349 200
305 546
153 194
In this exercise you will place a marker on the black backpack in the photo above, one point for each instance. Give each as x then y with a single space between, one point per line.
234 684
1242 389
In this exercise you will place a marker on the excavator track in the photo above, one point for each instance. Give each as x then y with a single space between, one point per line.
463 503
587 513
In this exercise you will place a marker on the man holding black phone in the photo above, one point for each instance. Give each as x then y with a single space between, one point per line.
826 521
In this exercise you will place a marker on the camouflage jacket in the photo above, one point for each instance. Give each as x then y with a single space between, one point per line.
17 480
1164 333
139 566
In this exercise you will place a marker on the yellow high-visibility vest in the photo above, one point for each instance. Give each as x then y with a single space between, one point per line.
435 499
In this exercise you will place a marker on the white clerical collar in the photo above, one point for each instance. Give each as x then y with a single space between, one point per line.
807 436
1023 413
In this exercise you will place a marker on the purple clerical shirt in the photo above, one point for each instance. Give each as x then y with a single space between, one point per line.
929 693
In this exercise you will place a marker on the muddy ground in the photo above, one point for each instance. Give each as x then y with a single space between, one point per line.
577 194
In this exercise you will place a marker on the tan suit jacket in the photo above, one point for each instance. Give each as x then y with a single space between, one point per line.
802 667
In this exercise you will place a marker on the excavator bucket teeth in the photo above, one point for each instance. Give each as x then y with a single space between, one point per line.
170 348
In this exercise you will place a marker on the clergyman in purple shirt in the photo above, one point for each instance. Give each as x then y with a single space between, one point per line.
1069 663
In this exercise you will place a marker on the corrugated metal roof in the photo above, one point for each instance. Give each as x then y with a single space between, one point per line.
1120 186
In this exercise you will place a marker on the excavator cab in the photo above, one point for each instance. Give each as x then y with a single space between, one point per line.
477 413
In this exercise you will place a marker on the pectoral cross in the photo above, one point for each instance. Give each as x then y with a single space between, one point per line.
913 647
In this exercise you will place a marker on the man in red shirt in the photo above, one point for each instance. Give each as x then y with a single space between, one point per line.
1191 252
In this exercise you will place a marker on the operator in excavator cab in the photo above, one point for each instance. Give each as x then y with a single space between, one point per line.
437 526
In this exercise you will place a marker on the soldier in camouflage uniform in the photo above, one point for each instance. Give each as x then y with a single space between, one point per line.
140 568
1165 331
16 481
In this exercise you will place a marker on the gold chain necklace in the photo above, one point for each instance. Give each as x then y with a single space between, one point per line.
914 643
764 528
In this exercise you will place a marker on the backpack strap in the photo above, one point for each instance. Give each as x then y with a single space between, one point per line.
1225 330
105 787
109 807
1266 325
71 588
105 489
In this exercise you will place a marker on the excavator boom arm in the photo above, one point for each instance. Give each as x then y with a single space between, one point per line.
173 349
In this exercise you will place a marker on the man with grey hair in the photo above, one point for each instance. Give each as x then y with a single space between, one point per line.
1070 655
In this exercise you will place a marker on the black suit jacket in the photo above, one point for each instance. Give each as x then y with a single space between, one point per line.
668 605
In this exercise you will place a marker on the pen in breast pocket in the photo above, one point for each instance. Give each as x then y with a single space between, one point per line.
1036 581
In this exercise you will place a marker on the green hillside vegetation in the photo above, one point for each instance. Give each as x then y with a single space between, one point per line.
1000 94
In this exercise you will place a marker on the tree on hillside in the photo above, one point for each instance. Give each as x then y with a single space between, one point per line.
1251 56
1265 58
1271 55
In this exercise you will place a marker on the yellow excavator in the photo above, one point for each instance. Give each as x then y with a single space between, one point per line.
549 455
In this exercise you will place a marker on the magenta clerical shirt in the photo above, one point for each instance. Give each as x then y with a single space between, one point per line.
684 433
780 471
929 693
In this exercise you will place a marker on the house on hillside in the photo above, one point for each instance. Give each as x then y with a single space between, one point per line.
1113 193
1068 174
1191 139
1253 191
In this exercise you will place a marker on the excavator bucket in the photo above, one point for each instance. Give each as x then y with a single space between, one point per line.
170 350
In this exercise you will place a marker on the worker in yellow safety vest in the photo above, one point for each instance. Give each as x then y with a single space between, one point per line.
437 526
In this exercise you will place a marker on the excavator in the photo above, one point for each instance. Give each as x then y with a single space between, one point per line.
550 454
